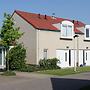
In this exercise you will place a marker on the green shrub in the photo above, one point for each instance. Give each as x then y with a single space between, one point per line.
26 69
8 73
49 63
30 68
17 57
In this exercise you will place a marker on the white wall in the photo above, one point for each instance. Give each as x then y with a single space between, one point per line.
28 38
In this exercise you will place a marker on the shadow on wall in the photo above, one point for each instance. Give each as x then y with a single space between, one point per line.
68 84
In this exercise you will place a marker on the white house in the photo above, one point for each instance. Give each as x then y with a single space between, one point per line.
50 37
2 57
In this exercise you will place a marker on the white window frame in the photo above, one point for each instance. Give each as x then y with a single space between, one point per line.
87 27
67 24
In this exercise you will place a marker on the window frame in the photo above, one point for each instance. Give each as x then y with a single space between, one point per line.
67 24
87 27
86 32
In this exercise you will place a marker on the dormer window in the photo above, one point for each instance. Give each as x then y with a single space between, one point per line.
67 29
87 32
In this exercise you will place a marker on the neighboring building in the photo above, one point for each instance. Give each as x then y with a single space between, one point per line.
50 37
2 57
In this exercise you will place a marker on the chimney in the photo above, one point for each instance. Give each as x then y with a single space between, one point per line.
39 15
77 22
73 21
45 16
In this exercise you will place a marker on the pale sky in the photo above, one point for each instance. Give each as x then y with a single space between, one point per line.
71 9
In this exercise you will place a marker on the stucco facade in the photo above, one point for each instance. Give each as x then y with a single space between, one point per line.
28 39
36 40
51 40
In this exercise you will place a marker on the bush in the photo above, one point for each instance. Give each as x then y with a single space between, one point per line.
17 57
8 73
30 68
49 63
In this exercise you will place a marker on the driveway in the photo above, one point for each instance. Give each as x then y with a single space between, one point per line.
34 81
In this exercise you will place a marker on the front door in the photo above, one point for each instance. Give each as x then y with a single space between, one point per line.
63 56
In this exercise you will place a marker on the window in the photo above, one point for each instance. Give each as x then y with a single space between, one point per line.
69 32
87 32
65 56
45 53
69 57
66 30
86 55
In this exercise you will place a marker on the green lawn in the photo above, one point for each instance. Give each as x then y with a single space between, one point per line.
67 71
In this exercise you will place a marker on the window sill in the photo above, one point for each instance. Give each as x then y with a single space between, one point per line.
65 38
87 40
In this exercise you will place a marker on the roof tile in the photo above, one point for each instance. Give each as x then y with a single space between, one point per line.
42 23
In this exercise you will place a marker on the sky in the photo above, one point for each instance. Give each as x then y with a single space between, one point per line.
70 9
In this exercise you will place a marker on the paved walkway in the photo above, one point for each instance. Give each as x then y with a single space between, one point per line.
34 81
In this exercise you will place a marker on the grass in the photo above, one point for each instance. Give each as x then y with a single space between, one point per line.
8 73
67 71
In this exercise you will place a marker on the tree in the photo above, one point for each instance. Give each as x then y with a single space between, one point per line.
17 57
9 34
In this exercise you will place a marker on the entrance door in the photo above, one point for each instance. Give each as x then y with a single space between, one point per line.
81 57
74 57
63 56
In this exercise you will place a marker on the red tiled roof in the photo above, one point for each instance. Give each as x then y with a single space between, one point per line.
77 31
39 22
